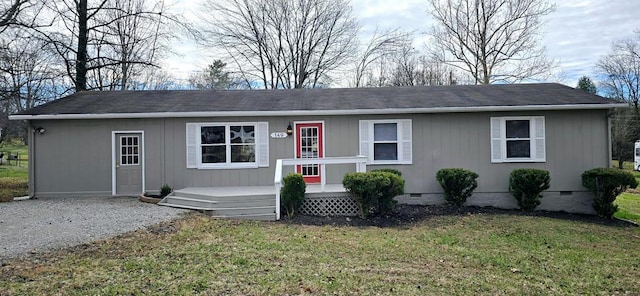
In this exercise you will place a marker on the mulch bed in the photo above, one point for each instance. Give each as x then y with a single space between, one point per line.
407 215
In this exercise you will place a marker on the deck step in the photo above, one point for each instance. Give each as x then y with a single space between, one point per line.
221 198
192 199
251 207
259 217
186 207
243 211
223 204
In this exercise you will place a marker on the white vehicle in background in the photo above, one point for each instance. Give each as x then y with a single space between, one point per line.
636 156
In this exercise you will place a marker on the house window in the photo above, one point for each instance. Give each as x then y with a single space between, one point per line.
386 141
227 145
517 139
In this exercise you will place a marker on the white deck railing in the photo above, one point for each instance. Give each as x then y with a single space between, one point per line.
360 162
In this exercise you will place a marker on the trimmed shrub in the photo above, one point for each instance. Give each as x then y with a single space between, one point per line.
165 190
374 191
388 170
292 193
363 191
458 184
527 185
395 187
606 184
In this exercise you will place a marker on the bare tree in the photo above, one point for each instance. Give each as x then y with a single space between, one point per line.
103 44
624 129
18 13
621 71
382 45
153 78
413 69
28 76
281 43
493 40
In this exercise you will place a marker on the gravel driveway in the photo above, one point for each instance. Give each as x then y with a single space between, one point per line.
44 224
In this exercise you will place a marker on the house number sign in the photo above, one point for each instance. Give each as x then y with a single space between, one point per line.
279 135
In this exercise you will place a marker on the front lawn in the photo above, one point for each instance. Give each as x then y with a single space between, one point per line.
14 174
628 207
464 254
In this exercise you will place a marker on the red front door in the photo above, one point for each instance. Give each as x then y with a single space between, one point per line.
309 144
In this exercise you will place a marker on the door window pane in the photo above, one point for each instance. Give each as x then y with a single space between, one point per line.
309 148
129 150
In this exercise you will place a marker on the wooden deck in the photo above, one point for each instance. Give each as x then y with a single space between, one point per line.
238 202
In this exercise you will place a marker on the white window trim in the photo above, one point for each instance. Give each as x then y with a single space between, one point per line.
404 140
537 139
194 146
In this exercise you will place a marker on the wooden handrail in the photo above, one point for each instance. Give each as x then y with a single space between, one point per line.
360 161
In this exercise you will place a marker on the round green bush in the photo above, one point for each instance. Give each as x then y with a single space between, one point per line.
374 191
458 184
527 185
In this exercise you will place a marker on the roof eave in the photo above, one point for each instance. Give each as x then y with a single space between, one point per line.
319 112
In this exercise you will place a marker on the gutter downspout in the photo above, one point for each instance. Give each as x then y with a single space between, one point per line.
610 115
31 148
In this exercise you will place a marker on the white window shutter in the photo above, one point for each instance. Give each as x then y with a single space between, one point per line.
405 141
365 139
262 144
538 139
192 145
496 140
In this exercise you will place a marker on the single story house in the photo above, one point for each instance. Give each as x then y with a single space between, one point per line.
127 142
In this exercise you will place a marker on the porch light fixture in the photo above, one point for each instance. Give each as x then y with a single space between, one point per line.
289 129
40 130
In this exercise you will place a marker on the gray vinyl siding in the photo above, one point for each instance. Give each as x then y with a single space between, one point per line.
73 157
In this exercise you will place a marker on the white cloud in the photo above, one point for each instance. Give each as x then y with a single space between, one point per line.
577 34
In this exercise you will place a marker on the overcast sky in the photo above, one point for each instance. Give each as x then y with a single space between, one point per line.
577 34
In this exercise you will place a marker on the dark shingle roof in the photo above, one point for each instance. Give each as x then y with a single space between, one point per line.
186 101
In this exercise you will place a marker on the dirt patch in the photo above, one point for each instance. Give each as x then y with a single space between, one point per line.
407 215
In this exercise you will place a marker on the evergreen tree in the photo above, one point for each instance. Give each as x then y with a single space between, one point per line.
585 83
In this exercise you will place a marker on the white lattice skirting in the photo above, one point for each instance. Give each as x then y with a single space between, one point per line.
329 206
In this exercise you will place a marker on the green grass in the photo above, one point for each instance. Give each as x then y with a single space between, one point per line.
14 176
452 255
628 202
628 207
